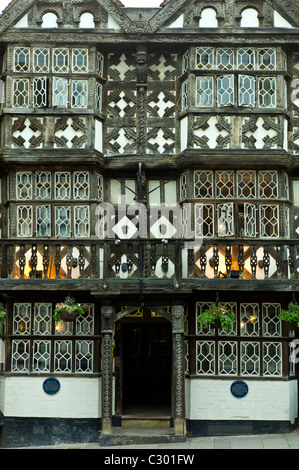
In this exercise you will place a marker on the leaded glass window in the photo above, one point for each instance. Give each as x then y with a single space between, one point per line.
24 185
63 356
60 92
43 184
62 185
98 97
80 60
266 59
21 93
203 184
81 185
61 60
267 92
100 64
204 91
41 356
42 318
22 59
41 60
246 183
185 94
268 185
225 90
227 357
79 93
269 221
245 59
20 355
43 221
205 58
84 356
205 357
224 184
246 90
22 319
24 221
63 221
250 358
225 59
81 221
250 227
204 220
272 359
39 92
225 220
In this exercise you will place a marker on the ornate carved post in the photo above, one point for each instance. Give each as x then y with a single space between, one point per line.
179 369
107 332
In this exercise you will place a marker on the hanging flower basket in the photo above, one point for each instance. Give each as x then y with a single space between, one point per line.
217 316
68 310
291 316
2 315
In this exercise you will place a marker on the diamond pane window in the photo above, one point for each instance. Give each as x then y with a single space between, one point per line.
42 318
246 184
22 319
204 220
185 61
41 60
225 184
272 359
22 59
80 60
24 221
225 90
225 222
269 221
205 357
200 308
203 184
21 93
245 59
20 355
39 92
249 319
61 60
246 90
204 91
266 59
205 58
267 92
84 356
81 221
62 185
85 323
43 185
271 319
250 228
185 94
41 355
98 97
100 187
250 358
60 92
79 93
63 221
24 185
81 185
225 59
227 358
63 356
43 221
268 185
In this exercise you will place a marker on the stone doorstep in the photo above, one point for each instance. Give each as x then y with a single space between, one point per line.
138 437
160 422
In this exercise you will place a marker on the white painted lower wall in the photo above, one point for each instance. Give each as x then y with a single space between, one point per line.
24 397
267 400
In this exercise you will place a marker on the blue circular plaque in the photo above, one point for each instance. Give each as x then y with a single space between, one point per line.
239 389
51 386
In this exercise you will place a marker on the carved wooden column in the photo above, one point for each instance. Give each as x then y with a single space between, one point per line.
178 368
107 332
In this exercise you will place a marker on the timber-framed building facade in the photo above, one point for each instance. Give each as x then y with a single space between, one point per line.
149 167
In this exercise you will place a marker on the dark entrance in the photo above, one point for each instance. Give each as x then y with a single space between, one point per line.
146 366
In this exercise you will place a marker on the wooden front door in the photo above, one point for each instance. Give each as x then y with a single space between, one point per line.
146 364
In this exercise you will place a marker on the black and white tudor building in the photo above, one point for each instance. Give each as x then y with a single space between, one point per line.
149 166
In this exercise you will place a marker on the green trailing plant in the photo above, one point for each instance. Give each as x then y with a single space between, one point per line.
217 314
2 315
68 306
291 314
